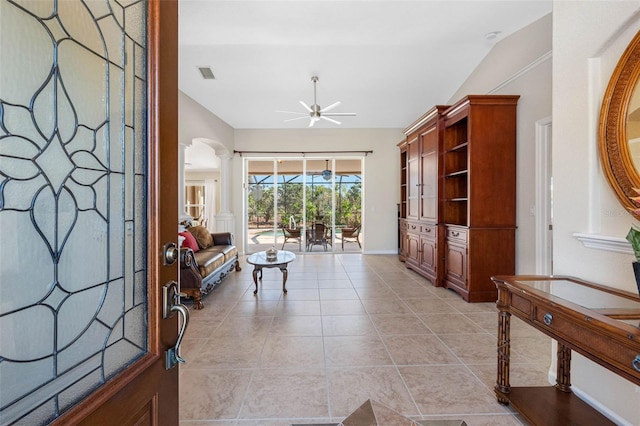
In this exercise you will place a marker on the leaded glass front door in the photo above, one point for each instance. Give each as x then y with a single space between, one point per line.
82 219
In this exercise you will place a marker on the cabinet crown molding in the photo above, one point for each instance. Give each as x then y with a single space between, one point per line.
432 113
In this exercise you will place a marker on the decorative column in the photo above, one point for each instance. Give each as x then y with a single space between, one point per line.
225 220
182 214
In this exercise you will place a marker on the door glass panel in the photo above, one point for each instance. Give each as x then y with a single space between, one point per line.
348 204
260 203
73 304
290 205
319 204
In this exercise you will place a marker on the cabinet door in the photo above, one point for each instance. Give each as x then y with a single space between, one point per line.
413 246
403 244
429 174
455 262
413 179
428 256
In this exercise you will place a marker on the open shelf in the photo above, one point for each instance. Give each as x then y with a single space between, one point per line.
458 147
461 173
549 406
456 135
455 171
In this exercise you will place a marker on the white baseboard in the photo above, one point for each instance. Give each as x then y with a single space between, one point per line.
604 410
380 251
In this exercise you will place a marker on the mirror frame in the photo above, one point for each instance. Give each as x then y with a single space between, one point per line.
615 155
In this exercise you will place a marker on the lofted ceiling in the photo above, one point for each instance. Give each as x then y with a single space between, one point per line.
387 61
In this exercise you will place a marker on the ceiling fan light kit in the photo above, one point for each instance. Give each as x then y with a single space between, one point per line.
326 173
315 112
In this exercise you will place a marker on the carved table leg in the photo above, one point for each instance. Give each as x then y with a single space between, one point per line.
504 348
256 268
563 373
285 273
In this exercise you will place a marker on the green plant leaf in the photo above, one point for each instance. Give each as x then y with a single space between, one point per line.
634 238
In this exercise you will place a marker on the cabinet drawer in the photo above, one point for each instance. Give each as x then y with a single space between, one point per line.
457 234
583 335
413 227
429 230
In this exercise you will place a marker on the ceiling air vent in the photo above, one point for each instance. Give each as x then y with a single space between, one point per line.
206 72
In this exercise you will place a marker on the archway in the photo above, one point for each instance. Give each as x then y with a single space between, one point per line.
204 174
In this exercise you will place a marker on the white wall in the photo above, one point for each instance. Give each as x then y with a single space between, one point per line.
520 65
381 173
588 39
196 122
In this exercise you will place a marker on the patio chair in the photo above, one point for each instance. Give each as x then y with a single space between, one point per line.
292 234
351 235
317 236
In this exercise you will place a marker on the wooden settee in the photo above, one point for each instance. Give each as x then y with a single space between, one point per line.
203 270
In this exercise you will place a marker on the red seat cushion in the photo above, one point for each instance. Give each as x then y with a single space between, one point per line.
189 241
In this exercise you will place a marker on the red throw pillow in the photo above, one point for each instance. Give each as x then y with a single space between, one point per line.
189 241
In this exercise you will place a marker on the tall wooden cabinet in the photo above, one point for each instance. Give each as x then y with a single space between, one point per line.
463 229
419 225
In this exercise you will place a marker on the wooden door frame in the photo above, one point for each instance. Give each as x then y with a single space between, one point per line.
115 399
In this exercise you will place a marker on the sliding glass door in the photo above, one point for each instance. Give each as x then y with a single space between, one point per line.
303 204
260 206
290 205
319 205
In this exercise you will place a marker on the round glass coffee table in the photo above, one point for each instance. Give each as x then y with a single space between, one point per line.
259 261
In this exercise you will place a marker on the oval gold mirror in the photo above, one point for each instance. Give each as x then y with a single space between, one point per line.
619 134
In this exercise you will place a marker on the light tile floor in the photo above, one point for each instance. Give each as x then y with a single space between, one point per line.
352 327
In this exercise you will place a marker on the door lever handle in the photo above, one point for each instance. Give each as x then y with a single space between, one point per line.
173 354
170 305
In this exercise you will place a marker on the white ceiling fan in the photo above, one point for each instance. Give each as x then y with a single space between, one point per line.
315 112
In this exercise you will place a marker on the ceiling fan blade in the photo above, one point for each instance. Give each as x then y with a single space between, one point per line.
330 119
297 118
330 107
294 112
338 114
311 123
307 107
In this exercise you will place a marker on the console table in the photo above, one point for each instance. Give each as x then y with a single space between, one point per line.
600 323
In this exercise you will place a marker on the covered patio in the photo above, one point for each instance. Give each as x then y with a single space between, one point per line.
304 205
